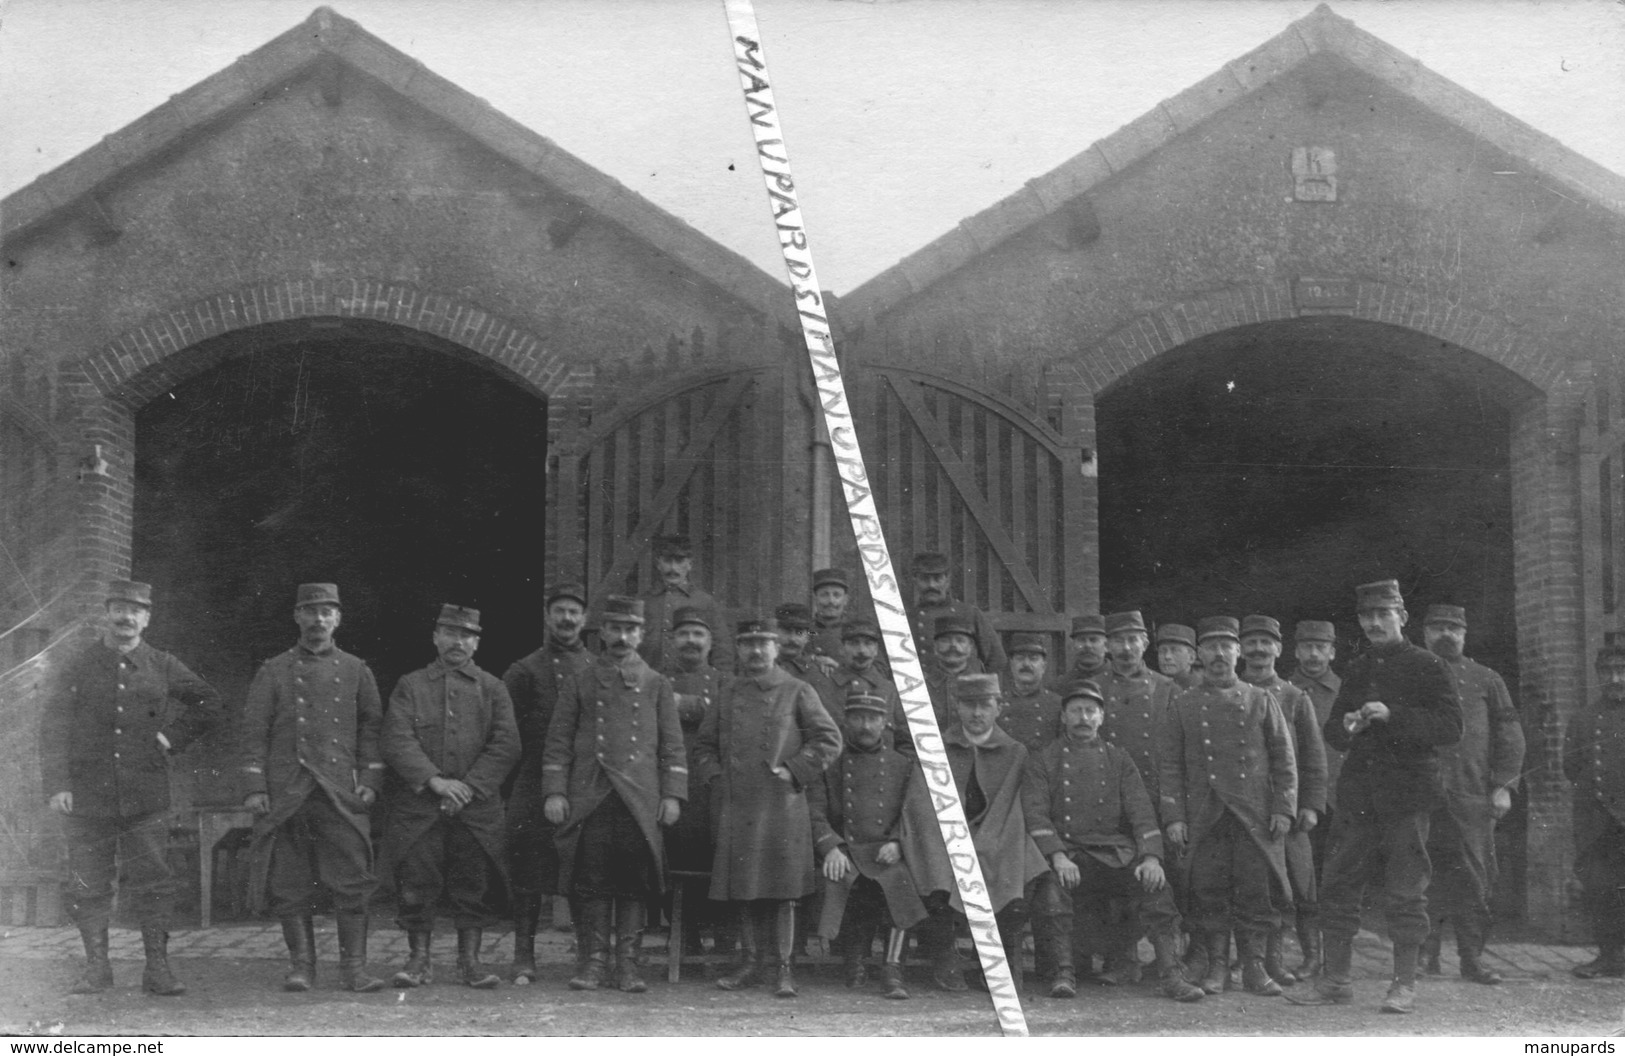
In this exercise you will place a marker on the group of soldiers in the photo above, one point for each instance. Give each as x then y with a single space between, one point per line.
1207 802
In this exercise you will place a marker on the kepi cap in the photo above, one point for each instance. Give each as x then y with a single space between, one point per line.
1083 687
756 627
1176 634
977 687
130 590
860 627
459 616
1261 625
674 546
830 577
690 614
1029 642
1218 627
954 623
1121 622
929 562
1383 594
1090 624
858 698
618 608
316 594
565 589
1446 614
794 616
1315 631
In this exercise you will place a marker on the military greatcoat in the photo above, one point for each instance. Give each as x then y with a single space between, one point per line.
1310 749
763 827
312 721
99 737
1488 756
1593 750
659 608
1088 796
1395 763
1032 718
877 684
455 723
987 653
689 843
615 731
1322 693
1136 707
857 807
1228 748
534 683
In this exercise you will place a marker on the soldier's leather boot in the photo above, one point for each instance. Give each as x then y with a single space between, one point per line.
353 976
1402 991
891 973
1275 958
1309 941
592 924
629 921
1169 971
98 973
417 971
937 936
1334 986
785 926
853 971
157 978
1122 964
1052 936
299 933
1218 961
1255 979
1470 948
472 972
1430 949
526 911
1608 964
747 970
1195 956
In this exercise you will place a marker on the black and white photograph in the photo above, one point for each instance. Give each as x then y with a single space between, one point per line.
812 518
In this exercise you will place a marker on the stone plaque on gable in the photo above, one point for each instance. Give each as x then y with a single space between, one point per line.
1314 174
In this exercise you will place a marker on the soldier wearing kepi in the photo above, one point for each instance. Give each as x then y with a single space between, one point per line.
857 813
105 744
933 600
1315 646
831 595
1032 713
450 736
313 768
1479 773
860 669
674 563
1230 789
1092 819
1088 638
1260 648
534 682
767 741
1595 745
1136 706
795 622
615 773
953 655
1396 708
1176 654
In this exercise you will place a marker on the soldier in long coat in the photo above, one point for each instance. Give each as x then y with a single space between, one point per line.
312 769
1092 819
857 815
120 710
1314 644
1032 712
674 563
1396 709
615 773
795 622
690 845
1230 790
449 735
534 682
932 600
1594 745
767 741
860 669
1260 647
988 767
1089 660
1176 654
953 653
1479 774
832 594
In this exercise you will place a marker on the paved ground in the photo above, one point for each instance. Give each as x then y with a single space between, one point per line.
233 973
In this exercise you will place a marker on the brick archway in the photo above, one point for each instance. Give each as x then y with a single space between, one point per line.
1176 323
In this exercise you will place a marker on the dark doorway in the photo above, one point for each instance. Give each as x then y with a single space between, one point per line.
397 466
1271 468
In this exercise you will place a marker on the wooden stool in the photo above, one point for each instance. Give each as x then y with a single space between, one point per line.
674 939
213 825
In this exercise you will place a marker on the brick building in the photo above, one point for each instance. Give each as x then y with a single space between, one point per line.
1324 315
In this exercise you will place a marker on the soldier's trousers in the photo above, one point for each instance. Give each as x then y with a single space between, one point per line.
1379 836
447 863
135 848
318 847
533 857
613 859
1463 877
1231 880
866 915
1600 867
1087 909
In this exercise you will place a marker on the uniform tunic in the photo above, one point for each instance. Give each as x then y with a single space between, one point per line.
764 831
615 733
310 730
876 684
455 723
99 741
534 683
828 640
1322 692
1227 751
659 608
1032 718
1489 756
1310 749
689 843
987 649
1594 746
1388 787
857 807
1136 708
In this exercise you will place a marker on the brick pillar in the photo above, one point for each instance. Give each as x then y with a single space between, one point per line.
1546 559
569 412
106 492
1081 492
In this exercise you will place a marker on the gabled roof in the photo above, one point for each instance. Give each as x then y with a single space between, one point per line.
327 33
1319 32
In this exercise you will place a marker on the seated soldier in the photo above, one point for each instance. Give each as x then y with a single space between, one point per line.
857 811
1091 817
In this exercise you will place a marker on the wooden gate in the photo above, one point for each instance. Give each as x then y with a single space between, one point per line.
1602 501
988 481
693 457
